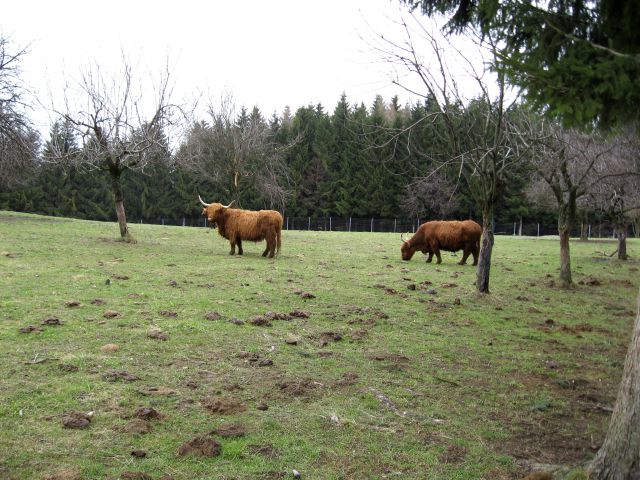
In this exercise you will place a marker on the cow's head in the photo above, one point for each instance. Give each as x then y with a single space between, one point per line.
213 211
407 250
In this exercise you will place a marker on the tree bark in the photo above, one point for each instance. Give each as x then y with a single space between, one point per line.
619 456
622 244
566 219
486 248
118 199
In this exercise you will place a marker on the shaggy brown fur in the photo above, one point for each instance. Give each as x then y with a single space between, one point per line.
449 236
237 225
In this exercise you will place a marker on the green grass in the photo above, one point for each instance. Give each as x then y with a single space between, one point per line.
418 386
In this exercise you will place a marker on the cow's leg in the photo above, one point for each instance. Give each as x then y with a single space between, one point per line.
271 246
464 257
437 252
475 257
430 257
233 247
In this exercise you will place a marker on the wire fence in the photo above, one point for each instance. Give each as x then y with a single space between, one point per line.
401 225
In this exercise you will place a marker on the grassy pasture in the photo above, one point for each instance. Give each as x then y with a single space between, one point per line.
400 370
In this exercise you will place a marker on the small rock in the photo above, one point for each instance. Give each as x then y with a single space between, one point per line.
456 301
262 406
212 316
296 473
411 286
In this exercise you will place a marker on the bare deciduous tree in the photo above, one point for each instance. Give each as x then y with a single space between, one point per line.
236 151
617 191
122 124
479 129
566 162
19 142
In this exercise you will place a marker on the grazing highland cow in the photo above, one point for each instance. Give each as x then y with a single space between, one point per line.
449 236
237 225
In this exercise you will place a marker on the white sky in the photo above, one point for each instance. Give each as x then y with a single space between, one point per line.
265 53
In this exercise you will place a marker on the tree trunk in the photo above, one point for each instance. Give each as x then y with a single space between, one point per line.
118 199
565 224
486 247
619 456
622 244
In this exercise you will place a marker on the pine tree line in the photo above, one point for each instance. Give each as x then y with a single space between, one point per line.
356 161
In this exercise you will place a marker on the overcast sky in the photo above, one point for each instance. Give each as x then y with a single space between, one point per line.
267 53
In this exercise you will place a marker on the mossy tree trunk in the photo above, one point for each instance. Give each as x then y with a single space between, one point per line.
619 456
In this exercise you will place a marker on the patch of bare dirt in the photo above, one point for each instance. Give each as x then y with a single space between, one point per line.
299 387
115 375
52 321
200 446
212 316
157 334
453 454
148 413
68 368
65 474
97 301
157 391
76 420
229 430
255 359
590 281
31 329
137 425
260 321
223 405
299 314
348 378
168 313
111 314
72 303
266 450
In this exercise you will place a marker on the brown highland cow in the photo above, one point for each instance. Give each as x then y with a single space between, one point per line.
450 236
237 225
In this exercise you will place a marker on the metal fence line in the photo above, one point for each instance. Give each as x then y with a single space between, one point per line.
398 225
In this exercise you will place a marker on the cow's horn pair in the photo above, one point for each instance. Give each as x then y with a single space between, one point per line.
402 238
207 204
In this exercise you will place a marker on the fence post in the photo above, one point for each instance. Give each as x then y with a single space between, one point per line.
371 224
514 229
205 222
538 229
309 226
287 227
162 221
349 224
589 232
329 223
183 222
395 222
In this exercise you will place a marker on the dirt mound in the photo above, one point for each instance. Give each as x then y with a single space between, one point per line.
114 376
299 388
76 420
200 446
223 405
137 426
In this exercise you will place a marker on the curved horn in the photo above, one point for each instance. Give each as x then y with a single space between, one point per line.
227 206
203 202
402 238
